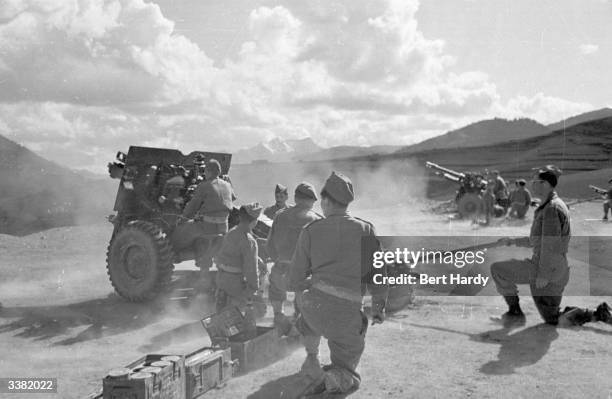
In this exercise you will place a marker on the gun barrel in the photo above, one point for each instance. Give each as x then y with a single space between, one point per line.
598 190
446 171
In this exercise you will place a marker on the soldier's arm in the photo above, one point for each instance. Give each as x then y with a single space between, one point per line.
300 264
195 203
550 244
378 291
528 195
249 267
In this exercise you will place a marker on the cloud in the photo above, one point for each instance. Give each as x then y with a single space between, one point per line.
588 49
82 79
544 109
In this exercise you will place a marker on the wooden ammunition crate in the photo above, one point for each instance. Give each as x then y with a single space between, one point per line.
206 369
250 349
168 383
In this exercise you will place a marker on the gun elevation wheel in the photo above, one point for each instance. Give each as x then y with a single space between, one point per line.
139 261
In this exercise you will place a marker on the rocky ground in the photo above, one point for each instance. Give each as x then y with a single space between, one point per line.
61 319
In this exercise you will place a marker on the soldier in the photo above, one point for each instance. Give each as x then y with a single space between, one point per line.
547 271
281 196
520 200
608 200
281 243
500 190
237 261
327 266
208 210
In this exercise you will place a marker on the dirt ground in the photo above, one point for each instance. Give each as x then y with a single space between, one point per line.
60 318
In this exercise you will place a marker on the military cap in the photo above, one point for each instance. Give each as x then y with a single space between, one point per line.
280 189
549 173
307 190
522 182
213 164
340 188
253 209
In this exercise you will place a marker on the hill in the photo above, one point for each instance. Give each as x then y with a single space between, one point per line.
38 194
579 148
586 117
486 132
341 152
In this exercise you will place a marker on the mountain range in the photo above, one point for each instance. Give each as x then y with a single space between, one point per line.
37 194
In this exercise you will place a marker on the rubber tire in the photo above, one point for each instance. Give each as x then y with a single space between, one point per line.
469 205
151 240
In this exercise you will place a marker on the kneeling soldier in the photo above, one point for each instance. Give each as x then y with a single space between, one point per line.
547 271
327 266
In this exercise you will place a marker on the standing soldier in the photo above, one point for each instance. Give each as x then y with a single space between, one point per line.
281 196
237 261
501 191
208 211
488 200
547 271
520 200
607 205
281 243
327 266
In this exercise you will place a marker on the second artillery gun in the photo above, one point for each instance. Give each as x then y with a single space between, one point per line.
155 185
468 196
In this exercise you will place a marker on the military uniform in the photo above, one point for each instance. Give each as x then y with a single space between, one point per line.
327 264
237 261
282 240
549 237
209 208
501 192
519 202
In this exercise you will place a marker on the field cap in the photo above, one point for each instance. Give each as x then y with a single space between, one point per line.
307 190
339 188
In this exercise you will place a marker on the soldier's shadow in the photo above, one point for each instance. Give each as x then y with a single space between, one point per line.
289 387
519 349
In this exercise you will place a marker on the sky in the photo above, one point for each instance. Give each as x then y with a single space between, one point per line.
81 79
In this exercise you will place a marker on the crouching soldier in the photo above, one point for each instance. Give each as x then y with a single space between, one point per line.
237 261
547 271
281 243
327 266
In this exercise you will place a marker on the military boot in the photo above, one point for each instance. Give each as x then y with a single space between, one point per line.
339 381
514 315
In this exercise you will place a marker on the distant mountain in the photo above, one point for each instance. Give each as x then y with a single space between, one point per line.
490 131
341 152
586 117
579 148
276 150
38 194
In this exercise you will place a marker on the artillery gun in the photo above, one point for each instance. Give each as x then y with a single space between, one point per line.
598 190
468 197
155 184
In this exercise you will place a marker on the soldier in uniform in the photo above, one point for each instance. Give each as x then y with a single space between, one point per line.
237 261
547 271
327 266
520 200
500 190
208 211
607 205
280 195
281 243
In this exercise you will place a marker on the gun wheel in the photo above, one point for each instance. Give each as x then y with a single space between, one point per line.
139 261
469 205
